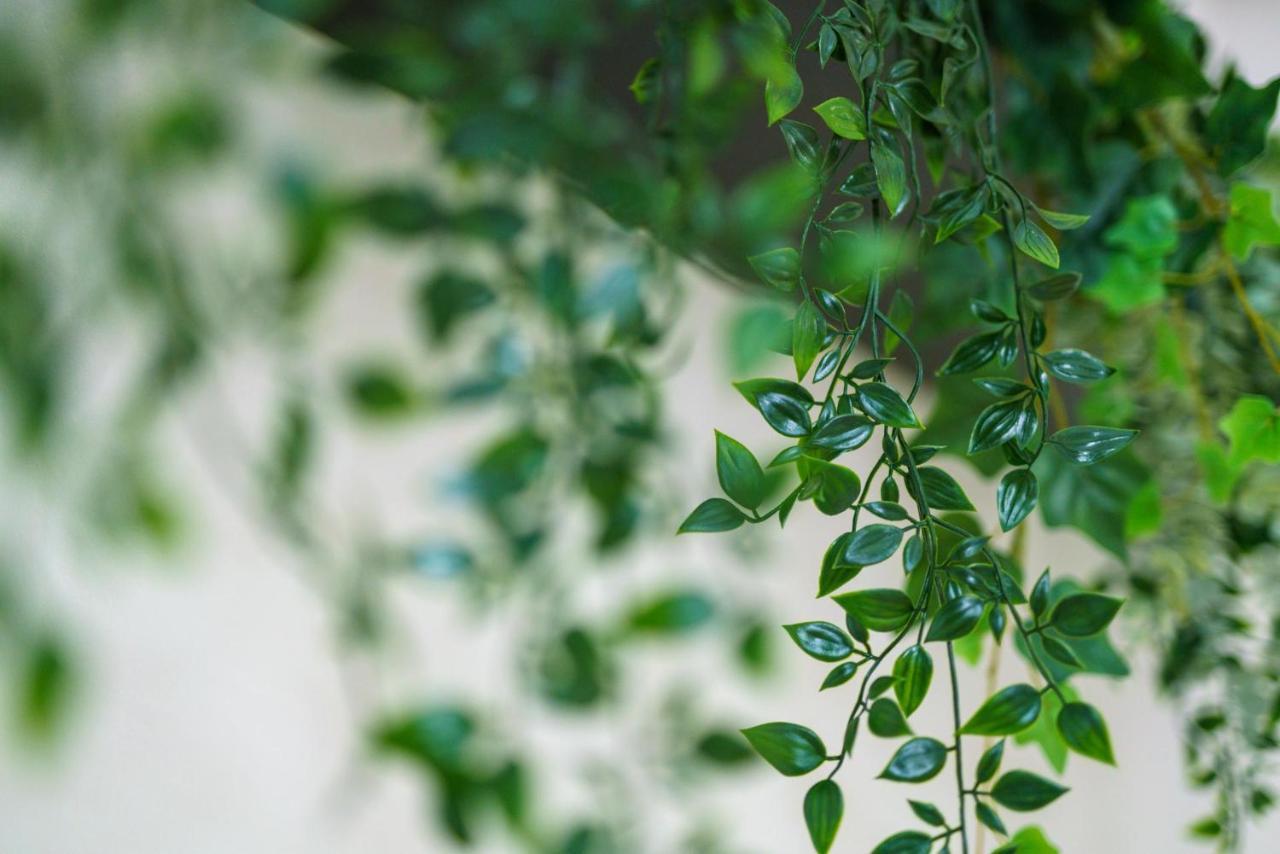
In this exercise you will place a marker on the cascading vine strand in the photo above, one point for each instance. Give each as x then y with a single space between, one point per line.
956 583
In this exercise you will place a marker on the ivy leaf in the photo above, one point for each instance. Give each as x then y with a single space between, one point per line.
989 764
1236 128
872 544
971 354
905 842
821 640
1083 729
790 748
1023 791
941 490
881 609
778 267
1076 366
918 760
1253 430
988 816
885 719
891 176
1148 228
1056 287
844 117
955 619
739 472
839 675
1093 499
997 424
1129 282
1085 445
1006 712
711 516
823 809
885 405
1016 497
1252 221
806 337
912 673
1033 242
1084 614
843 433
928 813
1062 221
783 89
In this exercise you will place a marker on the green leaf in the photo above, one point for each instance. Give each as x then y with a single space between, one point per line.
971 354
844 117
1093 499
955 619
997 424
712 515
928 813
843 433
1130 282
989 764
959 209
1148 229
888 510
821 640
806 337
1083 729
1062 221
988 816
872 544
1040 595
740 474
1033 242
885 405
783 90
1028 840
905 842
1016 497
1237 126
803 144
1084 614
778 267
1009 710
1023 791
839 675
1253 430
1055 287
1252 221
918 760
823 809
835 571
784 414
838 487
941 490
1059 651
912 673
891 176
1075 366
671 613
790 748
885 719
1085 444
881 610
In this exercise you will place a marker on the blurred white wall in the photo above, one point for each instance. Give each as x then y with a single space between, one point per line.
219 716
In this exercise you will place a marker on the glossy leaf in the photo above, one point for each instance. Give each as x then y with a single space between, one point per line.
807 336
905 842
821 640
823 809
1006 712
971 354
1023 791
839 675
989 763
941 490
784 414
881 610
1016 497
844 117
843 433
912 671
885 405
1086 445
988 816
1055 287
712 515
997 424
1032 241
955 619
1075 366
739 472
885 719
790 748
872 544
918 760
1084 614
928 813
1083 729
